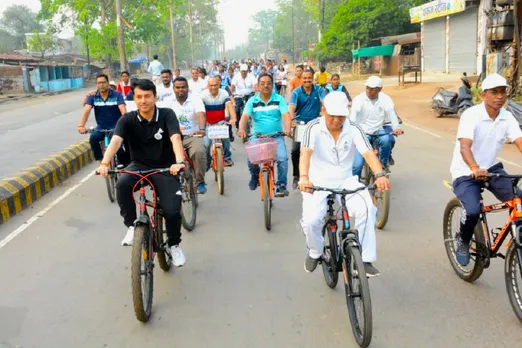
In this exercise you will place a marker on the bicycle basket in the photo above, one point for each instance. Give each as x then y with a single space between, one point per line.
261 150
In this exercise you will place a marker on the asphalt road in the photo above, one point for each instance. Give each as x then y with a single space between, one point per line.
66 279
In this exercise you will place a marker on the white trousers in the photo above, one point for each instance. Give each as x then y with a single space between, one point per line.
359 205
156 79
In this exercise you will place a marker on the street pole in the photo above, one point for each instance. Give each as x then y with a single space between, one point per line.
172 34
293 34
121 39
200 32
190 32
516 61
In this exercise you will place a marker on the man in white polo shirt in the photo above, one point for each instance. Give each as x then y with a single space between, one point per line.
190 111
196 84
483 130
371 110
327 152
243 84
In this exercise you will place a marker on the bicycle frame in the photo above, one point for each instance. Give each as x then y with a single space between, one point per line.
267 166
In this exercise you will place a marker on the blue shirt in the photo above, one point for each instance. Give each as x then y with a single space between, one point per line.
307 106
267 117
106 112
225 80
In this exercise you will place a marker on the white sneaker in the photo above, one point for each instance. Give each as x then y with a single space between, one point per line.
178 259
129 237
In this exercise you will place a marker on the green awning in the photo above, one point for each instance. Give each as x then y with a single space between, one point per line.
374 51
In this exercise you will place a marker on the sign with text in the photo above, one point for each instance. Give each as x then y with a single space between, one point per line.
436 9
218 132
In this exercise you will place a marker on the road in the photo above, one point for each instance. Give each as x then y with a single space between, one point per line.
67 279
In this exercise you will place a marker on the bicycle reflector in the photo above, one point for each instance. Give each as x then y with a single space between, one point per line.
517 211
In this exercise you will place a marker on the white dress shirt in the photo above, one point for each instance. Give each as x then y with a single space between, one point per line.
371 115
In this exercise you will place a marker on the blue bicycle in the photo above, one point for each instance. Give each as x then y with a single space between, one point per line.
111 179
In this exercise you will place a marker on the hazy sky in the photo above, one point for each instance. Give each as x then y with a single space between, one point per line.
236 16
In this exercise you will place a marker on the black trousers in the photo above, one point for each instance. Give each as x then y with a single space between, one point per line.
296 152
168 190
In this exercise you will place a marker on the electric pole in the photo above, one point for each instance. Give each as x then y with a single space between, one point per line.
293 34
121 39
190 32
172 34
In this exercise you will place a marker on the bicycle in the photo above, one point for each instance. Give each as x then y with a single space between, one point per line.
110 180
189 197
486 244
345 256
217 134
263 151
244 100
381 199
149 240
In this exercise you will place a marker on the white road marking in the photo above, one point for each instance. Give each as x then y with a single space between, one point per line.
421 130
508 162
41 213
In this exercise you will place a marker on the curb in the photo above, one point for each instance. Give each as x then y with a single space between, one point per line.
25 187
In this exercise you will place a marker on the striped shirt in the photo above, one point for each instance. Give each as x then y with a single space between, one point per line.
106 112
331 162
267 117
215 106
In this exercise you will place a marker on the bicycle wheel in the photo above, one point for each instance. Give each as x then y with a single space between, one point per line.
513 272
164 257
267 200
366 175
451 226
357 292
110 182
329 263
188 202
194 189
220 170
381 199
142 275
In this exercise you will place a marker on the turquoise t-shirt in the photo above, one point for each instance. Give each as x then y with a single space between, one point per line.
266 117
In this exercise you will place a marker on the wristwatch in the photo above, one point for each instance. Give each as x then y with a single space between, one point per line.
380 175
180 162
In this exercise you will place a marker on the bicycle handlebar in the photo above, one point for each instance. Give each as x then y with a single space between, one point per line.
505 176
269 135
106 131
137 172
380 135
343 192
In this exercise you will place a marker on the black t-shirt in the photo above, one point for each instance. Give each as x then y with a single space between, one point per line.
149 142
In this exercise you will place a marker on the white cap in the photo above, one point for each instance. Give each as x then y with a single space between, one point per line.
374 82
243 67
336 104
494 80
112 83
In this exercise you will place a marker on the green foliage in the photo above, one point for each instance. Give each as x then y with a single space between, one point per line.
8 42
17 20
44 43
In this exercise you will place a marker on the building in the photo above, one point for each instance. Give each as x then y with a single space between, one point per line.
453 35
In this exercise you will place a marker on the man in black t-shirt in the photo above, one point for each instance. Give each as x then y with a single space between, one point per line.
155 141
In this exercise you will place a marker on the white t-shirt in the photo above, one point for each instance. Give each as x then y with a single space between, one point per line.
488 137
195 87
187 113
372 115
244 86
165 92
331 163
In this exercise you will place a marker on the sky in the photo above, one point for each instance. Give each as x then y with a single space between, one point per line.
235 15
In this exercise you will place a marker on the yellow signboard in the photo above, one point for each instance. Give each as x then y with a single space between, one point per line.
435 9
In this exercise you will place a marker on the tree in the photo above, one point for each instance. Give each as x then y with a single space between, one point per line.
18 20
8 42
44 43
263 31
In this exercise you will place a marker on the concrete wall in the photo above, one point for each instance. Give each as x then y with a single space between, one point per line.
13 78
77 82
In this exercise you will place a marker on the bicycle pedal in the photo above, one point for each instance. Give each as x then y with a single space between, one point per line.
502 256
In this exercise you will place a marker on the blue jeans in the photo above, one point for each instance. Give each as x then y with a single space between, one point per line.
384 145
96 138
281 160
388 129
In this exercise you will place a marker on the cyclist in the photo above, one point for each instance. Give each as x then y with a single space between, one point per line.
226 81
281 80
305 105
327 152
216 100
190 112
321 77
124 86
108 107
154 139
243 84
196 84
371 110
155 68
177 73
335 85
483 130
269 113
296 81
166 89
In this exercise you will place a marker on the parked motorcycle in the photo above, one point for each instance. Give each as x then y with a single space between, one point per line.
516 109
447 102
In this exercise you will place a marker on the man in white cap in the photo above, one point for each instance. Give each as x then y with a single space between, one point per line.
483 130
243 84
371 110
327 153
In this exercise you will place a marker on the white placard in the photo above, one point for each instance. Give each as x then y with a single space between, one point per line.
218 132
299 132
